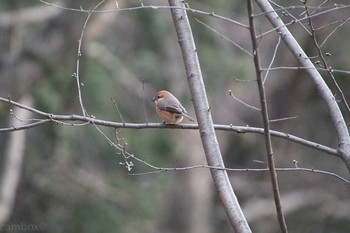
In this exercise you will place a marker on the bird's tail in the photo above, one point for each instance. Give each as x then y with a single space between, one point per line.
188 117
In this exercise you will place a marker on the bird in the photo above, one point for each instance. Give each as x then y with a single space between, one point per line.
169 108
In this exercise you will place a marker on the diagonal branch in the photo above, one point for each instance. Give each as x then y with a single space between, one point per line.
320 85
265 116
324 61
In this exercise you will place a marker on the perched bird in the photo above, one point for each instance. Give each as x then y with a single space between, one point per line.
169 108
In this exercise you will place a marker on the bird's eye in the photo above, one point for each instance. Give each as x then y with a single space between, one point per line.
158 96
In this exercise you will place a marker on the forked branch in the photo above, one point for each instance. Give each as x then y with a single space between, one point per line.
320 85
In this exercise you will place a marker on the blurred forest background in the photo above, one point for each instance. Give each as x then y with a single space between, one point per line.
72 180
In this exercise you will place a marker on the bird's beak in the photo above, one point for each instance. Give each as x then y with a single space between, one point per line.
154 99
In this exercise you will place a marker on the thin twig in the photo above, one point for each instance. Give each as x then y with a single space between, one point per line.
143 101
152 7
76 75
243 80
324 61
129 165
279 169
295 19
23 127
283 119
272 59
122 148
278 68
334 30
242 102
225 38
117 108
336 7
319 7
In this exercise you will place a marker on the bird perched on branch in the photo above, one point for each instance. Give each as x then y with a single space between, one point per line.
169 108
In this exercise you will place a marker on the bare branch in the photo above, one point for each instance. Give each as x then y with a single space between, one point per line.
205 121
283 119
117 108
265 117
23 127
143 101
304 68
225 38
156 169
272 59
334 30
278 169
152 7
325 64
242 102
319 83
76 75
295 20
64 119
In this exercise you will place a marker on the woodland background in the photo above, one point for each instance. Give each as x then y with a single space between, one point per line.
73 180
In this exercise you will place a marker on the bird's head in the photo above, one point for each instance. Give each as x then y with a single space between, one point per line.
161 95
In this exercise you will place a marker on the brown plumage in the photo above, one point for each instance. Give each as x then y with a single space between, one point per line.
169 108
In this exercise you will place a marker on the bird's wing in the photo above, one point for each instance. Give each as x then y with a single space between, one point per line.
171 106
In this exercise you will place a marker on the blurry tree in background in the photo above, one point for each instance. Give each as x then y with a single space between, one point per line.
68 176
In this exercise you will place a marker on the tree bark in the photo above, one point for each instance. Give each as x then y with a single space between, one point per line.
205 122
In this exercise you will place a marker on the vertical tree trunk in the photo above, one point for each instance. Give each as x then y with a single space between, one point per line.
205 122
